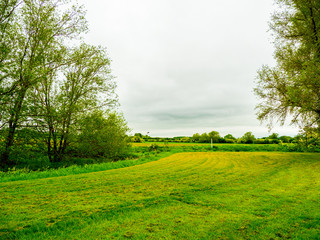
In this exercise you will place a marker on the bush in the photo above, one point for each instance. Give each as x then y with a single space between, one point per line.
153 147
228 140
274 141
248 138
103 135
136 139
261 141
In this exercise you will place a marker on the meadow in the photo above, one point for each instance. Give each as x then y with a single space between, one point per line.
187 195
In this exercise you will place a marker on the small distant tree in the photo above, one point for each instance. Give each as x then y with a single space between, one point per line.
274 136
138 135
196 137
248 137
215 136
136 139
229 136
204 138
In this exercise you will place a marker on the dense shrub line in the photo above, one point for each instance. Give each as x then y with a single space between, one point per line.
15 174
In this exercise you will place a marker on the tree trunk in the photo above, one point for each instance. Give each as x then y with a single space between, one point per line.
13 122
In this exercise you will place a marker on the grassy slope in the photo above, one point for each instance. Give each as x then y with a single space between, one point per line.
184 196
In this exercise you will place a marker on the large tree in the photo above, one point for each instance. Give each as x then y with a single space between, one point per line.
292 87
61 99
40 29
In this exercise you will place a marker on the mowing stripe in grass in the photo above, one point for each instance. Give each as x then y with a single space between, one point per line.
183 196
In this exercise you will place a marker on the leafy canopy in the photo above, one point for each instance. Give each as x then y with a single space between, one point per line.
292 87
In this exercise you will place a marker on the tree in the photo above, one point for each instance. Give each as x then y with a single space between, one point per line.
286 139
292 87
214 135
204 138
274 136
196 137
84 85
40 30
248 137
229 136
138 135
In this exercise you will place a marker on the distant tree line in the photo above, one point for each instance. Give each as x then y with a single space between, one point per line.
55 90
247 138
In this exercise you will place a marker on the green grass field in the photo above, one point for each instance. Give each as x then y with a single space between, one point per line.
212 195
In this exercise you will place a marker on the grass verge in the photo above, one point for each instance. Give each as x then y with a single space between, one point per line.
26 174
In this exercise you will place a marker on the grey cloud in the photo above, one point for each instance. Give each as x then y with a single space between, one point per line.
185 66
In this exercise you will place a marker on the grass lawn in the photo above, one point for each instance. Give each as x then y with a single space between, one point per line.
212 195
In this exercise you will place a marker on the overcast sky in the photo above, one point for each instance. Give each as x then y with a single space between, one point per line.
186 66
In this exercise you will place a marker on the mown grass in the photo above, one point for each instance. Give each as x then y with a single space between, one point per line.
184 196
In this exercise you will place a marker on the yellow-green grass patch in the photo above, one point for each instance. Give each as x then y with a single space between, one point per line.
184 196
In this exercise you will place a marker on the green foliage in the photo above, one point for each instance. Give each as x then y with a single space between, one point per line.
37 49
185 140
230 140
204 138
261 141
45 84
18 174
153 147
7 16
274 136
136 139
248 138
229 136
102 135
291 88
196 137
215 136
285 139
138 135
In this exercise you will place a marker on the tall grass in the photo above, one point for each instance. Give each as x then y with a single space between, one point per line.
26 174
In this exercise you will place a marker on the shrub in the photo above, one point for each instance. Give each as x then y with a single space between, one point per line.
103 135
154 147
261 141
228 140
